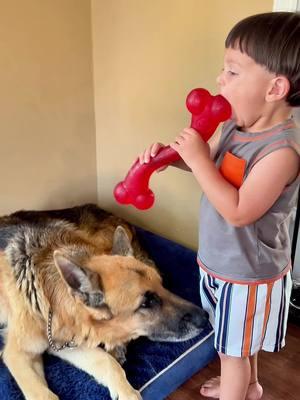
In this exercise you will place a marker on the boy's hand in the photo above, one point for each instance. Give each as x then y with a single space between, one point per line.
150 152
191 147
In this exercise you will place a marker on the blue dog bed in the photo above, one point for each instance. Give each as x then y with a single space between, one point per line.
156 369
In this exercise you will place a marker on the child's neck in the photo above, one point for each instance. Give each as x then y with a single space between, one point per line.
268 120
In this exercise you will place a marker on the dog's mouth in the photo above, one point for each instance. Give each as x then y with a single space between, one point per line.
188 327
175 336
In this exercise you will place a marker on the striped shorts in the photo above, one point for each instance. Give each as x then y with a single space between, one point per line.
246 318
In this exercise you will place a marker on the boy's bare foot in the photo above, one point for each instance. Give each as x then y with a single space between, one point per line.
211 388
255 391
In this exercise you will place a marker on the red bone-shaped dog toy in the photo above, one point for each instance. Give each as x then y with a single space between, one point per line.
207 112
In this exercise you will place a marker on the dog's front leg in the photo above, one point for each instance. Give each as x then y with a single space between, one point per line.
27 369
104 368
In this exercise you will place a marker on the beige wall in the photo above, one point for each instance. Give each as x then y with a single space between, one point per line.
147 56
47 147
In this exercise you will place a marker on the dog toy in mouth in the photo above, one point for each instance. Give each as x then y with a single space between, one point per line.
207 112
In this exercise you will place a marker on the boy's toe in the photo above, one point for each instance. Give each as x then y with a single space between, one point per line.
211 388
209 392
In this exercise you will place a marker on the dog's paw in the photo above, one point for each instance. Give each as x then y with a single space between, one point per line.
43 396
53 397
133 395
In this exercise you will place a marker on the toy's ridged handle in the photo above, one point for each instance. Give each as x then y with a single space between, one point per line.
207 112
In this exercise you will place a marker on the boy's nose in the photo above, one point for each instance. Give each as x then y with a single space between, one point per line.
219 80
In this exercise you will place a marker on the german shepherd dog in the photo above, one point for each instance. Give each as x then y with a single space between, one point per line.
77 284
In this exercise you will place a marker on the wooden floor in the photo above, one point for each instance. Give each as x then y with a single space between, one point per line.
279 373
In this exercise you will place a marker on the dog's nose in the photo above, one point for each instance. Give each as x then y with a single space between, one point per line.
199 318
205 318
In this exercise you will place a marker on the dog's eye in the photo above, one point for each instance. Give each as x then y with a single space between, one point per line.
150 300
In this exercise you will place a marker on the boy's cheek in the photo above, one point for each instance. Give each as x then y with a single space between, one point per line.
234 113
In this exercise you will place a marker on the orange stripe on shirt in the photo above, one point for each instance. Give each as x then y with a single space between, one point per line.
267 310
266 150
251 305
237 138
286 269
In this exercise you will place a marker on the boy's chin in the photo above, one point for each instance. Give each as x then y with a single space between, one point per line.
234 117
238 122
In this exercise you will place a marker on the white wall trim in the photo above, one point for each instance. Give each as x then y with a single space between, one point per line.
286 5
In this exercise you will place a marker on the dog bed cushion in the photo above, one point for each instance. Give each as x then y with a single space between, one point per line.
156 369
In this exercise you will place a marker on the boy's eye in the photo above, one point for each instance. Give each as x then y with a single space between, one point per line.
229 71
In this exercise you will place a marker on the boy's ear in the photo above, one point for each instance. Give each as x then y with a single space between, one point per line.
279 88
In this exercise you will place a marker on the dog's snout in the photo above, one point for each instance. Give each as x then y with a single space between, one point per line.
199 318
205 319
187 317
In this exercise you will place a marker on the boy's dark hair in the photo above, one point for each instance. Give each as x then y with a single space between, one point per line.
272 40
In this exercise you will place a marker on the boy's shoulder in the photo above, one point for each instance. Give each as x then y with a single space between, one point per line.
285 129
252 147
288 131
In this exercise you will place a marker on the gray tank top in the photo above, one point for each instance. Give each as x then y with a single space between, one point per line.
259 251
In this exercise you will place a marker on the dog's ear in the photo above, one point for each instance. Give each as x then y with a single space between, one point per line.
121 243
83 283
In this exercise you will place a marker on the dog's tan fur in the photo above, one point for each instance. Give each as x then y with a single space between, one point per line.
96 298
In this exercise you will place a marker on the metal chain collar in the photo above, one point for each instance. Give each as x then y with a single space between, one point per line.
69 345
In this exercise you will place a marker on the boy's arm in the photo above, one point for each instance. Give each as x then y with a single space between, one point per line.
258 193
214 143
